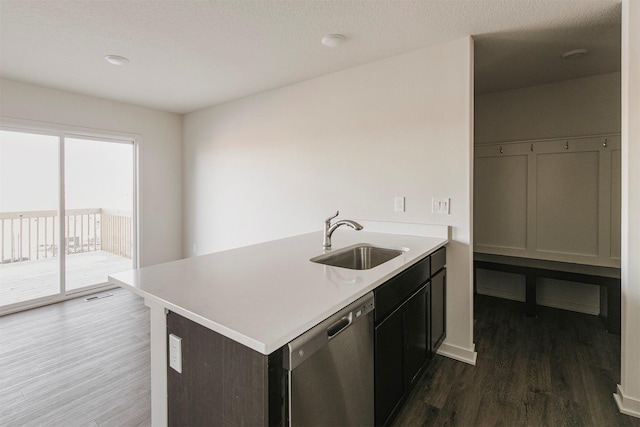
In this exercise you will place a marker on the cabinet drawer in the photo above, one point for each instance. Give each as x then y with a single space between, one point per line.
395 291
438 260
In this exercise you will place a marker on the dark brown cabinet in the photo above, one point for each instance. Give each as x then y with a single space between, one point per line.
410 326
401 352
222 383
438 309
438 299
389 363
415 335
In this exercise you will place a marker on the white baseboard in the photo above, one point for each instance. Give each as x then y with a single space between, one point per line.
458 353
627 405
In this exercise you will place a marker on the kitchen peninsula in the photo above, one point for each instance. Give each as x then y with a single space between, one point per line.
261 297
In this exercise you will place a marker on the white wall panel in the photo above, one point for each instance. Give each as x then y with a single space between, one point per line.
578 107
561 294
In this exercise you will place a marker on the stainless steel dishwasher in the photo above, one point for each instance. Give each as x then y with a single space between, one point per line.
330 370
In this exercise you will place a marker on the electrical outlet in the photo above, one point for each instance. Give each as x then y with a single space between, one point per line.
440 205
175 352
398 204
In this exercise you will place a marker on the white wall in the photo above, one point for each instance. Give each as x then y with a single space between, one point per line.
277 163
628 393
159 136
580 107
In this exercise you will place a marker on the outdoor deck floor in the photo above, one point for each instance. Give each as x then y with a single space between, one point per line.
29 280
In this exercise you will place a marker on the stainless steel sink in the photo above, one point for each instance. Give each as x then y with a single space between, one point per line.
362 256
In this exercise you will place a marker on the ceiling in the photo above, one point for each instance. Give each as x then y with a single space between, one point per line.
189 54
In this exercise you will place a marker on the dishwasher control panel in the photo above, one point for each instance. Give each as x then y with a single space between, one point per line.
367 307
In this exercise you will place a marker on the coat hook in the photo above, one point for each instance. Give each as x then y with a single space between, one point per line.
531 147
566 145
604 144
501 150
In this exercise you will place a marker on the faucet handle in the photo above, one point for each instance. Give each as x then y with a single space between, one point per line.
328 220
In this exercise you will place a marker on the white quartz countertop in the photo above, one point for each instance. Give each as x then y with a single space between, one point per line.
265 295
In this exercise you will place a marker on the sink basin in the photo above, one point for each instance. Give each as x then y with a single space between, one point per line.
362 256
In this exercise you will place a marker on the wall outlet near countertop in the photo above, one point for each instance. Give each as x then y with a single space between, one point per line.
175 352
440 205
398 204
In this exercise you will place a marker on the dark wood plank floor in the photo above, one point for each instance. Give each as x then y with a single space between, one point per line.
76 363
558 369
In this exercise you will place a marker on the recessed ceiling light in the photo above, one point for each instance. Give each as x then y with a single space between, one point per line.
333 40
116 59
575 53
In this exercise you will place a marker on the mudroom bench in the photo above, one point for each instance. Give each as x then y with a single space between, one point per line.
608 278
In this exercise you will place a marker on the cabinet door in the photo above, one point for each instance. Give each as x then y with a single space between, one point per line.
438 309
415 335
427 298
389 375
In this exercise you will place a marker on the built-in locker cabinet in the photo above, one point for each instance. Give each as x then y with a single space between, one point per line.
556 200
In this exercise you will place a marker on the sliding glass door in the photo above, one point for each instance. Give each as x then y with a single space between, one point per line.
99 210
67 213
29 203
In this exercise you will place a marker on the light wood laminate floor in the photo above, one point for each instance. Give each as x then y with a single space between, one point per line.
77 363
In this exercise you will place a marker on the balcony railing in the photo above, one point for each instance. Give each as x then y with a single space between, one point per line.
36 234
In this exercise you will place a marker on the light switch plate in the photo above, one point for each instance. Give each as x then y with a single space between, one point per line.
440 205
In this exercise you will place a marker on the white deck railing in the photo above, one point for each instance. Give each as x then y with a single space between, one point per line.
34 235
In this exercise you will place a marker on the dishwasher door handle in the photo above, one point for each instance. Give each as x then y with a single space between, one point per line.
340 325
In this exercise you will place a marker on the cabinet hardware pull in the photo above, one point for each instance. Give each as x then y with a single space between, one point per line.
604 144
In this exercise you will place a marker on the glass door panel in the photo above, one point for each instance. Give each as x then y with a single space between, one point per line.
99 199
29 201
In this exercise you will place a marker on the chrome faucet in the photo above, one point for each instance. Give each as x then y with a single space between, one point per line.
329 229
